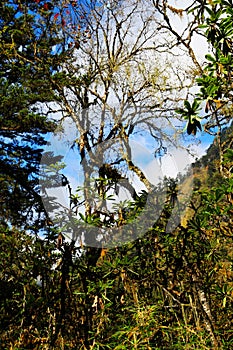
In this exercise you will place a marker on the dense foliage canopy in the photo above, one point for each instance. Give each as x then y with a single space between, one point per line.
76 276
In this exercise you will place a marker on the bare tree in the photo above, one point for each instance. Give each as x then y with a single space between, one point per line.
123 78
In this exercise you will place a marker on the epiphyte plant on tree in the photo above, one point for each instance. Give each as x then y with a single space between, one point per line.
190 112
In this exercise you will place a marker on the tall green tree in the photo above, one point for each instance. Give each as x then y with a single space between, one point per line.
214 21
28 58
